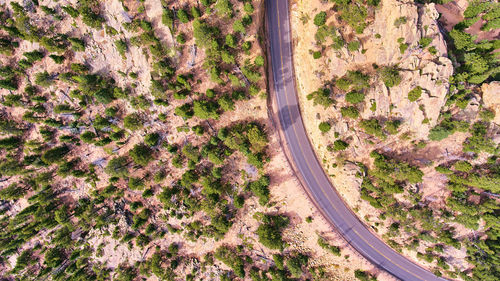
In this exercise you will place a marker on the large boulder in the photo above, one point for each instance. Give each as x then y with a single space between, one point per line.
491 98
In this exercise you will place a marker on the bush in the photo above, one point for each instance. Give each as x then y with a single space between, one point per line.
316 55
269 232
141 154
425 41
133 122
260 188
392 126
183 16
349 111
390 76
354 97
77 44
415 94
295 264
88 137
33 56
57 59
339 145
55 155
330 248
121 47
372 127
324 127
463 166
487 114
224 8
353 46
43 79
363 276
400 21
181 38
321 97
152 139
320 18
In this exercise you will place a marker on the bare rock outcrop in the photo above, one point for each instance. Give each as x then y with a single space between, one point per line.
491 98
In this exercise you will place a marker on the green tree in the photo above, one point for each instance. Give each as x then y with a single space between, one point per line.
390 76
354 97
117 167
349 111
339 145
224 8
321 97
141 154
415 94
324 127
133 122
320 18
55 155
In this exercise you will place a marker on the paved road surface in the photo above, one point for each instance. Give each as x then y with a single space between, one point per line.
317 183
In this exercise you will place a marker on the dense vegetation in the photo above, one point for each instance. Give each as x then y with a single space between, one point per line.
91 154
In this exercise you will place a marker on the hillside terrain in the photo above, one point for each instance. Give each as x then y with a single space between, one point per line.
136 139
401 102
136 145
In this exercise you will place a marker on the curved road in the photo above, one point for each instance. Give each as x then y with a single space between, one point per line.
317 183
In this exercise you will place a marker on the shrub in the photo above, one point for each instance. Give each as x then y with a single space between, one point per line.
340 145
324 127
295 264
33 56
43 79
133 122
400 21
248 8
463 166
71 11
354 97
392 126
77 44
269 232
181 38
330 248
121 47
487 114
168 18
183 16
152 139
224 8
260 188
353 46
390 76
141 154
90 18
316 55
259 61
88 137
372 127
349 111
195 12
320 18
425 41
415 94
57 59
321 97
55 155
363 276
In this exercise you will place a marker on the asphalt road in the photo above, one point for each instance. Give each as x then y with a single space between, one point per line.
319 187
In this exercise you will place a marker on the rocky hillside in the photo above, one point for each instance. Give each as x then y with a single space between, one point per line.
389 90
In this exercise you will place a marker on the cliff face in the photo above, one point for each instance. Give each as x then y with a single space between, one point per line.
381 45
